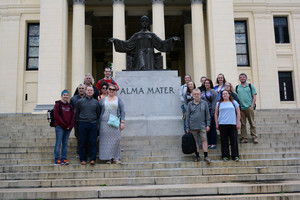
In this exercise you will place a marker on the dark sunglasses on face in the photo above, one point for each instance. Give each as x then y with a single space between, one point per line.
112 89
104 88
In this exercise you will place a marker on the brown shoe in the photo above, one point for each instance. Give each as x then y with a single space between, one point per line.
83 163
207 160
92 162
244 140
197 159
255 141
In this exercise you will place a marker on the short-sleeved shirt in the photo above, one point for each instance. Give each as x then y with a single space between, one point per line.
227 113
245 95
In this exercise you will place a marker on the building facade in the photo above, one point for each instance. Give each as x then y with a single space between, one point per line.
48 45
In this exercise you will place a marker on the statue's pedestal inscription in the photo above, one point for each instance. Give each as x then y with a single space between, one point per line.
152 102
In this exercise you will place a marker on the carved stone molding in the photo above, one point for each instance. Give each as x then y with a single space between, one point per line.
10 18
80 2
118 2
196 2
89 18
187 18
158 1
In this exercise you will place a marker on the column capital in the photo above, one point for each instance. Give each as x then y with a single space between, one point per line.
187 18
196 2
89 18
118 2
158 1
80 2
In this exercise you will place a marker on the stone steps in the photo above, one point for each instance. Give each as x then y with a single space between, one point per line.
151 190
153 167
73 158
76 171
94 181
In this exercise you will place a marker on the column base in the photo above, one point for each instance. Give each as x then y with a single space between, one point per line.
42 108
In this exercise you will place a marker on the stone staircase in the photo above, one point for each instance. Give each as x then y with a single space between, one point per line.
153 167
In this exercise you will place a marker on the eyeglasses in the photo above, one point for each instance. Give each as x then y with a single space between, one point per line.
104 88
112 89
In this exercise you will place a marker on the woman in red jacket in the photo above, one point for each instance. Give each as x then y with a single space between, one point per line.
64 122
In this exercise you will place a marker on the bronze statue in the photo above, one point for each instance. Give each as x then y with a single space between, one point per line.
144 42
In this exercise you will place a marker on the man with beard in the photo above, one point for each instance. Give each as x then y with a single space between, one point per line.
247 97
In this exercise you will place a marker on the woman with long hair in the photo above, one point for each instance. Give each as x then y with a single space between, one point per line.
188 97
227 117
211 97
229 88
221 84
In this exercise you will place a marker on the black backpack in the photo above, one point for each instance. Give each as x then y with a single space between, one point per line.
188 144
50 114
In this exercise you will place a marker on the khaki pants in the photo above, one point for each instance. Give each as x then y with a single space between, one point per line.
249 113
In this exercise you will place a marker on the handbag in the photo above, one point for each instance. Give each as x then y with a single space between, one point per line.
113 121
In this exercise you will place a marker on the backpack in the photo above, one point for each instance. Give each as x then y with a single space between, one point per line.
50 114
188 144
112 81
236 89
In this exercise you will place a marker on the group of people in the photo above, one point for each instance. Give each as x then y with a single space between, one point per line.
97 111
209 108
92 111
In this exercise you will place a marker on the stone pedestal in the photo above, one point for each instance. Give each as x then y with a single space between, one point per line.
152 102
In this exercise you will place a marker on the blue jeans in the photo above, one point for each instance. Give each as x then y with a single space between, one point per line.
212 133
62 137
87 132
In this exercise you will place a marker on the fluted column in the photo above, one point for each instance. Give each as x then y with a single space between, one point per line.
158 19
78 43
88 43
52 74
221 40
199 58
188 44
119 59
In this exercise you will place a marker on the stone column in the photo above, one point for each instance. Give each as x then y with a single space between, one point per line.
296 22
222 50
158 23
188 44
52 76
199 57
119 59
78 43
88 43
265 79
9 79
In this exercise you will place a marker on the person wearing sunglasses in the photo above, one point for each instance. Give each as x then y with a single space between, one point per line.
110 136
104 90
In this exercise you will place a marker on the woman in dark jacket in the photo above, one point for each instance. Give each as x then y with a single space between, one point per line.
211 97
64 122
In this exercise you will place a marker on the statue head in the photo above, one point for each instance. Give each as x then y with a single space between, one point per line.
145 22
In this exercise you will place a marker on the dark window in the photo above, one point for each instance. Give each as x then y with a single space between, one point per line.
286 86
281 30
33 42
241 42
